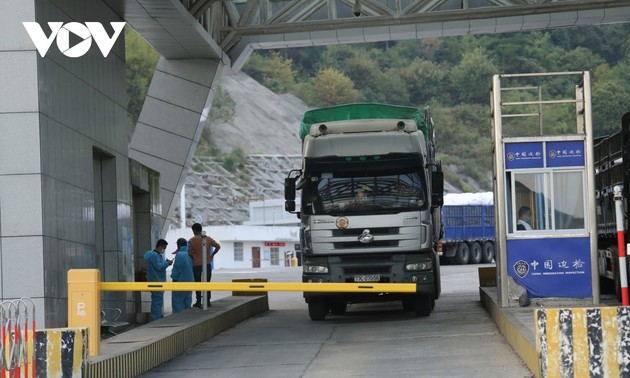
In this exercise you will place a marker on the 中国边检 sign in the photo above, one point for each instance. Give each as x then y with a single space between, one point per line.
550 154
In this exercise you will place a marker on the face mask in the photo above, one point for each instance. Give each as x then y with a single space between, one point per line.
528 219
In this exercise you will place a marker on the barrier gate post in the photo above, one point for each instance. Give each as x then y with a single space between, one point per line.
621 245
84 304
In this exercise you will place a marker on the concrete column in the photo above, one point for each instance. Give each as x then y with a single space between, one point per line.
173 116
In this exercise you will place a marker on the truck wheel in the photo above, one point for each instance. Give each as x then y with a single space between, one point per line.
338 308
423 305
462 254
409 304
444 260
318 309
475 253
487 252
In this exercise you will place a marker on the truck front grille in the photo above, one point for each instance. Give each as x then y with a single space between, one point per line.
378 258
376 231
374 244
367 270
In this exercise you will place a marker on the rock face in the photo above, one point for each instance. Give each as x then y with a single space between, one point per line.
264 122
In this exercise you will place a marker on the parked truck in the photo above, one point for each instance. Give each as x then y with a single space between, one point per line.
611 156
371 191
468 220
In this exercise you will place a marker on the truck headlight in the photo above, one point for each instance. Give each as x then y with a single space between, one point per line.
426 265
309 268
305 237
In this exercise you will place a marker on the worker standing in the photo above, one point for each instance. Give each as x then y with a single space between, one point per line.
156 272
196 246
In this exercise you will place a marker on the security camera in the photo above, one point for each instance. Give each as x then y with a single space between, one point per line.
357 8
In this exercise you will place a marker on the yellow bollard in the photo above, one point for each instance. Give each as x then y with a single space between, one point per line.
84 304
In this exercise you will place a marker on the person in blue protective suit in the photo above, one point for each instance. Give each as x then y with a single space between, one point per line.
156 272
182 272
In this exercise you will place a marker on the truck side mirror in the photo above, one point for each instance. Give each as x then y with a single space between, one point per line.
289 190
437 188
289 206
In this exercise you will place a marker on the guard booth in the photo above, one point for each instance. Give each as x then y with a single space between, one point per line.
544 186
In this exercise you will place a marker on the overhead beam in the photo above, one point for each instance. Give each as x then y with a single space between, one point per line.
431 17
284 13
199 7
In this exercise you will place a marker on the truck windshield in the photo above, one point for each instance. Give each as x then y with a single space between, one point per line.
333 193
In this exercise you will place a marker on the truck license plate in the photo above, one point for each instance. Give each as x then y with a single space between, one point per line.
368 278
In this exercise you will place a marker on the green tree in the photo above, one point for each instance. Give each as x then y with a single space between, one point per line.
510 51
392 88
306 61
141 60
424 81
274 71
331 87
609 42
472 77
610 102
581 59
450 50
409 50
463 139
363 72
336 56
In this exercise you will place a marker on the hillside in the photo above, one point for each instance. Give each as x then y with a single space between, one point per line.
265 126
267 123
264 122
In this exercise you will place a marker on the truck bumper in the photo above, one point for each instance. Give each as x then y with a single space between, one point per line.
425 288
374 268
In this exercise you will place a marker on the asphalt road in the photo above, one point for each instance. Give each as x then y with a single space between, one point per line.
459 339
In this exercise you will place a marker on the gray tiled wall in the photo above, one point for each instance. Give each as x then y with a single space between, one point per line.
53 112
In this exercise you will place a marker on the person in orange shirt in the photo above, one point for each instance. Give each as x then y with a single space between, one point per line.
195 245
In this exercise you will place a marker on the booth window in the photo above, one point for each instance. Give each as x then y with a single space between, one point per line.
569 200
532 190
555 198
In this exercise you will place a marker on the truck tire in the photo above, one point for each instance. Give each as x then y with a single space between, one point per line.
338 308
444 260
423 305
487 252
462 254
409 304
318 309
475 253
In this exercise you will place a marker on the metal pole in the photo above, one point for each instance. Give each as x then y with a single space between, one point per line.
499 193
621 245
590 184
182 206
204 269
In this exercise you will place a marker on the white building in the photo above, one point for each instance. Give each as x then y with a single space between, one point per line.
270 238
271 213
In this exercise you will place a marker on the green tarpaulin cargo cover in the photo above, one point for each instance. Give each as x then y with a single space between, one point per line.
361 111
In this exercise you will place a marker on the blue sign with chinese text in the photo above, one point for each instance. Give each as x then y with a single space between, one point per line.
524 155
551 267
568 153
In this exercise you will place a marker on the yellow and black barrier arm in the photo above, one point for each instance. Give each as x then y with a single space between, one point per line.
262 287
85 287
